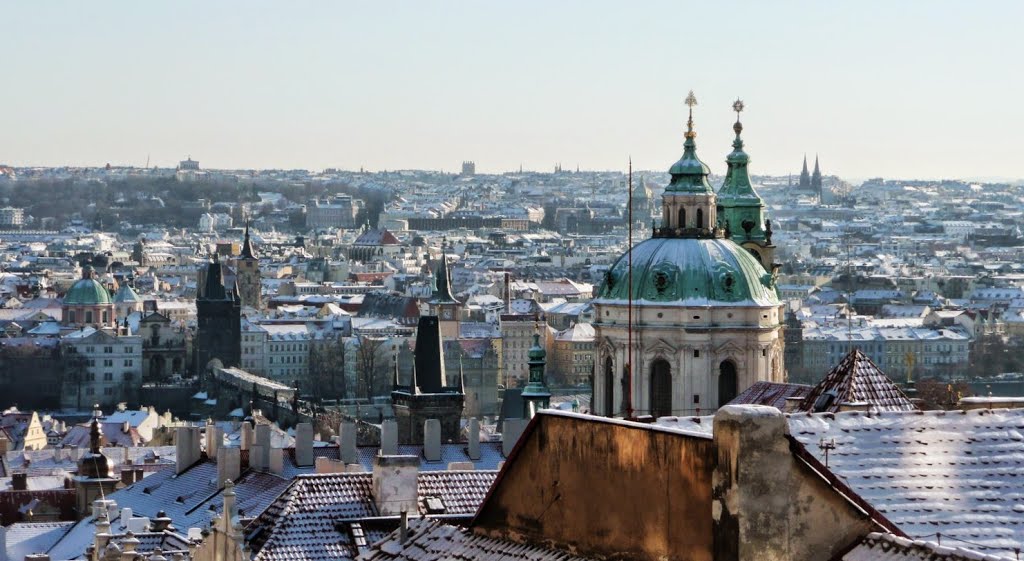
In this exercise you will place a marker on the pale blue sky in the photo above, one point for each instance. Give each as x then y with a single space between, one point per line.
897 89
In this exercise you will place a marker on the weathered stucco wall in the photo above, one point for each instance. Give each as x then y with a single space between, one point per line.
596 487
768 505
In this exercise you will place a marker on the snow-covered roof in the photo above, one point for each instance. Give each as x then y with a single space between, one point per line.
957 473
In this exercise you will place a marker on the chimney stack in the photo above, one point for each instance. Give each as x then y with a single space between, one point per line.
304 444
187 447
389 437
348 451
229 465
394 484
259 454
473 446
213 440
19 481
245 438
432 440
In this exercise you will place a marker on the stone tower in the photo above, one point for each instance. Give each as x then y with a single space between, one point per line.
428 395
219 329
247 271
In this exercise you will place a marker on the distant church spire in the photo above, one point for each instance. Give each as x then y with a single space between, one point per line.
816 179
805 177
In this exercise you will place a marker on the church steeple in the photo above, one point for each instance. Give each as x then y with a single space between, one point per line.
739 205
688 204
816 179
247 251
805 177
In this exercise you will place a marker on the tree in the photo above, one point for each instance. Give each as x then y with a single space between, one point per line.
371 364
327 370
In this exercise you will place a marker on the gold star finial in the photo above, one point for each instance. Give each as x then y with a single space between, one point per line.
737 106
690 101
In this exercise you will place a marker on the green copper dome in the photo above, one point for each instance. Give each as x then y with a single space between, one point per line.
87 292
689 272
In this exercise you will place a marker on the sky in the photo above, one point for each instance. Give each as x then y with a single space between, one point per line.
907 89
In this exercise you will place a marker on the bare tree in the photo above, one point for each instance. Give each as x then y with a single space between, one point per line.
327 370
371 364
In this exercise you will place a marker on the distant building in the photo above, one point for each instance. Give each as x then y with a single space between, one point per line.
12 217
468 168
101 368
338 211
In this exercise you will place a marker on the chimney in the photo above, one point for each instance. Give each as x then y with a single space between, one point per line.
304 444
329 465
347 443
473 446
259 456
389 438
19 481
748 523
275 461
245 439
394 484
792 404
432 440
511 430
139 474
213 440
186 444
229 465
127 477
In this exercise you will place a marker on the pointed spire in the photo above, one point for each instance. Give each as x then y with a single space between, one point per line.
817 170
443 279
247 250
805 165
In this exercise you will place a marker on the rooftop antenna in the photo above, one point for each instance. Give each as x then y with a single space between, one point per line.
629 300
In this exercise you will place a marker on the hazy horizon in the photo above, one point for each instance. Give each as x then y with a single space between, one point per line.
911 90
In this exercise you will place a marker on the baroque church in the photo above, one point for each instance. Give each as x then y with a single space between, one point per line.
706 318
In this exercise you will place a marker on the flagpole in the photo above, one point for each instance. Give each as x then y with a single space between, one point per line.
629 304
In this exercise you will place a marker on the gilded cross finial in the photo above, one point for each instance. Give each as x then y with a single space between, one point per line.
691 100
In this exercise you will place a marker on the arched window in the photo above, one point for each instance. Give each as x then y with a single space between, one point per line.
682 218
700 218
609 387
726 382
661 388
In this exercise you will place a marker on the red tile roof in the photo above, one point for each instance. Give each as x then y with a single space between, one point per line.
856 379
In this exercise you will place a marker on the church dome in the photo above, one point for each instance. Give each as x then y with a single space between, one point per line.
689 272
87 292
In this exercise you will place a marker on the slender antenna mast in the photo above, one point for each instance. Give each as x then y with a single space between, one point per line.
629 301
